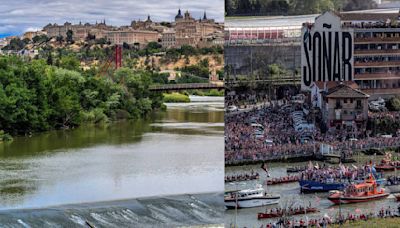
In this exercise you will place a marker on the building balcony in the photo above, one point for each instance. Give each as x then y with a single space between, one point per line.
377 52
377 64
382 91
377 76
361 40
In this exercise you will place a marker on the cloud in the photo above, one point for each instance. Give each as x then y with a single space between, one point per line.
32 29
18 16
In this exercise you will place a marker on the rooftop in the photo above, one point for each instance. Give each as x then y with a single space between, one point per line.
344 91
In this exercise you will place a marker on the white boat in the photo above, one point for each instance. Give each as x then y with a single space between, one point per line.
250 198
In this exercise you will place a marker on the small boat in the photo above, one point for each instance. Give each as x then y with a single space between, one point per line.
384 167
289 212
242 177
296 169
356 193
393 184
250 198
308 186
283 180
387 164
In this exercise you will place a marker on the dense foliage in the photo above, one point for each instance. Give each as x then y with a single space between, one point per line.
36 97
394 104
292 7
176 98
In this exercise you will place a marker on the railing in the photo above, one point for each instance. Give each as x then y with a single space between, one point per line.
382 91
377 51
377 64
375 39
186 86
372 76
287 80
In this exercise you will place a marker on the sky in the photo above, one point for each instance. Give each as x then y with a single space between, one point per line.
19 16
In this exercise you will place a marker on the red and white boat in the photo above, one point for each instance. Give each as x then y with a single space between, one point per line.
289 212
283 180
356 193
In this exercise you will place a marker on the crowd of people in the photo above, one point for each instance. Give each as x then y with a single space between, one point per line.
241 143
274 121
340 173
325 221
243 177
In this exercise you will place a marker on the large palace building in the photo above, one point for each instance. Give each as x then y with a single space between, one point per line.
185 30
359 47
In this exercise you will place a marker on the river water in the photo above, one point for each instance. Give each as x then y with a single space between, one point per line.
173 162
290 195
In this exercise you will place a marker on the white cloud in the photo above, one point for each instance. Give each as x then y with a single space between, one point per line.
18 16
32 29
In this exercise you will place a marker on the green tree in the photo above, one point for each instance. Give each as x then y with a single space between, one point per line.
70 38
70 63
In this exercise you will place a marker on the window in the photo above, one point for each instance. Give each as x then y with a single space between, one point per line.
358 103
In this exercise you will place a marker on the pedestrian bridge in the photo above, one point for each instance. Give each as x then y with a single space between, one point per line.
186 86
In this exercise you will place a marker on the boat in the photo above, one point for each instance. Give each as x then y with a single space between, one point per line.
387 164
296 169
242 177
380 180
290 212
393 184
356 193
385 167
283 180
247 198
308 186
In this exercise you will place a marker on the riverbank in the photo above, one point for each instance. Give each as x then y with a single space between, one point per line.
184 97
375 222
46 97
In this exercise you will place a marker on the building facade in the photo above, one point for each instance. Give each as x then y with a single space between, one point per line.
131 36
189 31
185 30
359 47
345 108
79 31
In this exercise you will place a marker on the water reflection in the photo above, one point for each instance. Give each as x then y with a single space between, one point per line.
127 159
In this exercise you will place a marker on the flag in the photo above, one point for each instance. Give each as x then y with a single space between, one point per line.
306 35
310 165
265 168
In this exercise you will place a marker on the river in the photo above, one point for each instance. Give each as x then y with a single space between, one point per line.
290 195
165 169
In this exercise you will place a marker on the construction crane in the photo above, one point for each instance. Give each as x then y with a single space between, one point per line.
116 58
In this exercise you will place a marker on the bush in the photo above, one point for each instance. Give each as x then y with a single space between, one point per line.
176 98
394 104
215 93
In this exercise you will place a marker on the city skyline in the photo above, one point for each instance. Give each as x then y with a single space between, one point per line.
22 15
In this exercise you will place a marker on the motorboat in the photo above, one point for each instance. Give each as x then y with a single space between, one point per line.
247 198
356 193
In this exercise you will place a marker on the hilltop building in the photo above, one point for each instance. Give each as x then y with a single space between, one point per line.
185 30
